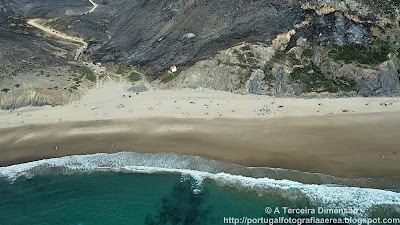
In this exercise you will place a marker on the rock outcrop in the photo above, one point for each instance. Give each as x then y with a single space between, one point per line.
36 97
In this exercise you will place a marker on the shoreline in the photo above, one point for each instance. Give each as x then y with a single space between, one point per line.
351 137
343 145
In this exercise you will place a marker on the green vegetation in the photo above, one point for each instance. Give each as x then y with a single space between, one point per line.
279 55
245 48
313 80
241 58
268 76
69 56
123 70
48 75
386 6
388 26
372 55
246 58
308 53
168 76
134 76
84 72
55 87
5 90
91 77
249 54
17 85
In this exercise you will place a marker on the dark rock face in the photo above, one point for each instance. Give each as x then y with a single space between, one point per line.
383 86
46 8
21 50
160 33
335 28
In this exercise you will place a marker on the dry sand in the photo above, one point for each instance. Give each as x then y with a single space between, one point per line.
302 134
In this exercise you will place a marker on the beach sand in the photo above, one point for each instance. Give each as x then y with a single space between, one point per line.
312 135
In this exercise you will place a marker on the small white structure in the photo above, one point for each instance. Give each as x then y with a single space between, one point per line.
173 69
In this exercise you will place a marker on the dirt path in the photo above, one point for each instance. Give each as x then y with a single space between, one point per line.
94 7
36 23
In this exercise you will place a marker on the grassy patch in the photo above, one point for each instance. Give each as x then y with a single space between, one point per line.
123 70
268 76
308 53
279 55
241 58
134 76
372 55
91 77
69 56
313 80
84 72
168 76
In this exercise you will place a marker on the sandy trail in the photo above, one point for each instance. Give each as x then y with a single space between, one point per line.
94 7
36 23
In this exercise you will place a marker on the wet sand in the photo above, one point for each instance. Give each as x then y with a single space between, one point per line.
346 145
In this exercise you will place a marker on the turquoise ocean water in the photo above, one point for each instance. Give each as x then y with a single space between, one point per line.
131 188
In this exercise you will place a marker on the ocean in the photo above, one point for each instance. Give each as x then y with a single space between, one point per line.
166 188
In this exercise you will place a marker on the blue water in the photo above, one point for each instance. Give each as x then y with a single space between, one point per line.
89 197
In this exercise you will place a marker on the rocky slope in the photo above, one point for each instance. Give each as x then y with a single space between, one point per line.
286 48
160 33
33 67
322 47
329 53
45 8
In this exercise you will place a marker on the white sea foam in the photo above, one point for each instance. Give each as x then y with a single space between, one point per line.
332 196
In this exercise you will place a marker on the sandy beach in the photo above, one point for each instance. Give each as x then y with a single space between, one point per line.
347 137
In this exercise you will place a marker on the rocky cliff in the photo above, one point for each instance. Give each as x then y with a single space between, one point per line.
287 48
36 97
332 52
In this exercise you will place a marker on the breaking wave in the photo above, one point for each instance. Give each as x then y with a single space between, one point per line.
329 191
